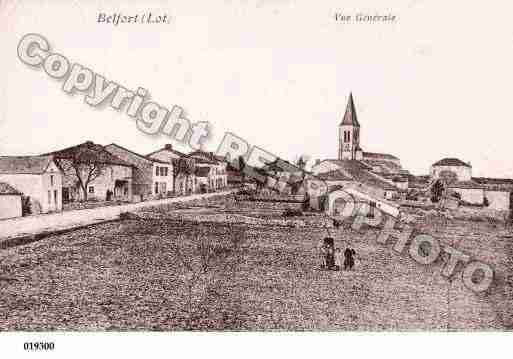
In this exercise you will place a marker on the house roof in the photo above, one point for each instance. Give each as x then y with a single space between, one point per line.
280 165
350 117
386 166
89 152
205 157
361 172
451 162
6 189
142 157
168 148
24 164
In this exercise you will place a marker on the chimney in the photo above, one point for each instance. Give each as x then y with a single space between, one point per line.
168 146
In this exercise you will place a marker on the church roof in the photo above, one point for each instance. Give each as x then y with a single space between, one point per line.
360 172
451 162
378 156
350 117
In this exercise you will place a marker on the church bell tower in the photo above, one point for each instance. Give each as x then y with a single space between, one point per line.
349 134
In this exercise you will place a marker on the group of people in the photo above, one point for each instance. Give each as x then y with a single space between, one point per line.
333 258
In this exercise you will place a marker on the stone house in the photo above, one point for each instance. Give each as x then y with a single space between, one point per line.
183 183
151 177
37 177
217 174
10 201
93 173
462 170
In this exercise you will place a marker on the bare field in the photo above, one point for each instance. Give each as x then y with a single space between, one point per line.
218 265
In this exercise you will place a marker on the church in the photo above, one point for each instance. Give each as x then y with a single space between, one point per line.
382 176
379 174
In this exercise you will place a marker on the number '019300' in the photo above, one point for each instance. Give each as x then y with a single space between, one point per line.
38 346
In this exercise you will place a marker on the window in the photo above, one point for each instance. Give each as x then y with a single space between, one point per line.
348 136
51 180
55 196
91 189
166 171
157 170
156 187
49 197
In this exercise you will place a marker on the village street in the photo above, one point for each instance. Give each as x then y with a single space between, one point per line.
70 219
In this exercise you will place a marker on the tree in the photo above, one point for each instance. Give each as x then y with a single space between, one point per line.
187 167
242 167
183 166
86 169
176 172
436 191
448 177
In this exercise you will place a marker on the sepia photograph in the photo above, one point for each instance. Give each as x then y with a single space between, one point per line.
240 172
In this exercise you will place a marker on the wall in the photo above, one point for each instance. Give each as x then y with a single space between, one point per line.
217 177
471 195
10 206
180 185
30 185
104 182
166 180
498 199
55 203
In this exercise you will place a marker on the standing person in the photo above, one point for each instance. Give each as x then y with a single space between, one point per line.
348 259
323 255
338 259
330 252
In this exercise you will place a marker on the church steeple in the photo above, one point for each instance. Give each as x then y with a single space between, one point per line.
350 117
349 134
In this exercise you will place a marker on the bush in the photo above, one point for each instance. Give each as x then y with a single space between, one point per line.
289 212
128 215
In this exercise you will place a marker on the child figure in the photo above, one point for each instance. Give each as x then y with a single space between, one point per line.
323 252
339 259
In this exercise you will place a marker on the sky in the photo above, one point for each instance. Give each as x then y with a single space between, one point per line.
435 83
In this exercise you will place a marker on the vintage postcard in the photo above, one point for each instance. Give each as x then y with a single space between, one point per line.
254 166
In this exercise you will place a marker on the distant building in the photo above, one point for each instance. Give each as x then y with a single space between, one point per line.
91 172
349 147
462 170
183 183
36 177
151 177
217 174
381 174
10 201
